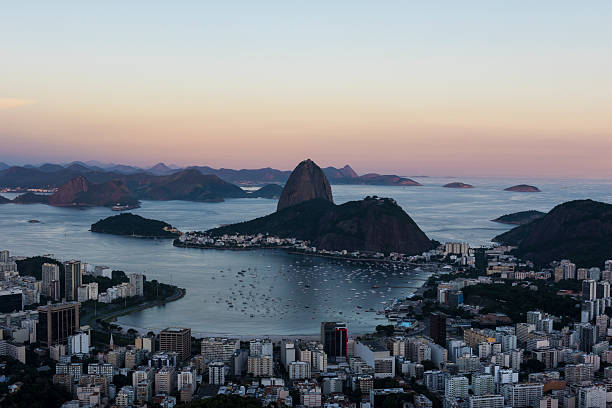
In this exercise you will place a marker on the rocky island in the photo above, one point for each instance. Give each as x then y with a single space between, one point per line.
135 225
523 188
457 184
306 212
519 218
579 230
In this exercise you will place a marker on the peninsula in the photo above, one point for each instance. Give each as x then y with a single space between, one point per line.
519 218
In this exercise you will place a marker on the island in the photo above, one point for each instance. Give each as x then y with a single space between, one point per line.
519 218
523 188
135 226
457 184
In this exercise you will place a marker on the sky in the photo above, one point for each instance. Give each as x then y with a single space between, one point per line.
404 87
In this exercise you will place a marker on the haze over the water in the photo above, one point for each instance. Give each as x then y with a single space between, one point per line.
438 88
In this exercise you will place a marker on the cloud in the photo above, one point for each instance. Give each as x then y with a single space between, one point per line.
8 103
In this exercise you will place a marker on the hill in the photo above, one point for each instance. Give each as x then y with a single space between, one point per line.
267 191
190 185
373 225
82 193
31 198
4 200
519 218
523 188
579 230
131 224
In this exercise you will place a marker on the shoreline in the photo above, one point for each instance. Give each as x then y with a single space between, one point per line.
290 250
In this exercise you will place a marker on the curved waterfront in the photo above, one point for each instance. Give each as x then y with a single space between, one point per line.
285 293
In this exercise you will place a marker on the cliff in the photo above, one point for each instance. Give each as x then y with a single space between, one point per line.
579 230
306 182
519 218
131 224
523 188
373 224
80 192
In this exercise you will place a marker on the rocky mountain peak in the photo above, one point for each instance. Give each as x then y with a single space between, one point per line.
306 182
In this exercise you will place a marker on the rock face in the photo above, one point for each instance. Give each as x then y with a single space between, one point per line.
372 224
523 188
457 184
80 192
306 182
579 230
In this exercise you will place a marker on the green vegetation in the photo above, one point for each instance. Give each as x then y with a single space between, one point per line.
520 218
131 224
33 266
516 301
37 390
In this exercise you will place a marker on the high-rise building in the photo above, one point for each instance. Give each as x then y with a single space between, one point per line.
487 401
592 397
588 337
456 387
334 336
603 289
287 353
219 349
72 279
260 366
176 339
165 380
522 395
437 328
4 256
57 322
137 280
216 373
588 289
51 281
483 384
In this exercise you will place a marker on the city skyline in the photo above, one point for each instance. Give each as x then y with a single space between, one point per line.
436 89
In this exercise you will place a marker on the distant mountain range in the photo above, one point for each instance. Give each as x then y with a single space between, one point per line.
54 175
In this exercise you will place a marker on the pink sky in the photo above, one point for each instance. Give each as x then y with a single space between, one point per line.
485 88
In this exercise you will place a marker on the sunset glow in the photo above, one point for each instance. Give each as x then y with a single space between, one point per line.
435 88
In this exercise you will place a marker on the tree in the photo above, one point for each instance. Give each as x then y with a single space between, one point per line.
428 365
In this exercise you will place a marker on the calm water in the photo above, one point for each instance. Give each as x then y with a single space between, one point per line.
285 294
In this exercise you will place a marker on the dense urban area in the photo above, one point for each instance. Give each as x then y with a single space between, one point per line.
486 331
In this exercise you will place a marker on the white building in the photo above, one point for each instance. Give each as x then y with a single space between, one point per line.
483 384
216 373
592 397
78 343
299 370
456 387
137 280
378 357
487 401
522 395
